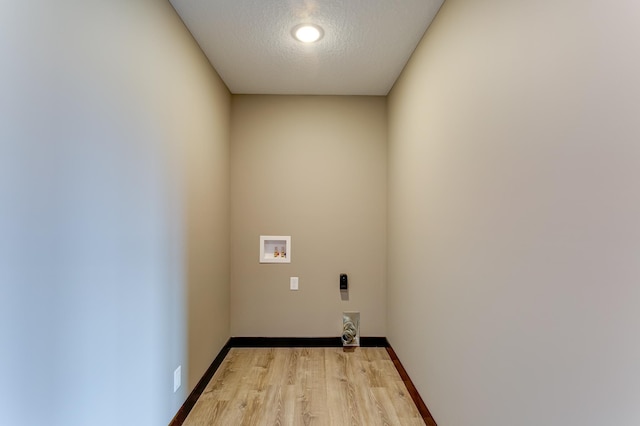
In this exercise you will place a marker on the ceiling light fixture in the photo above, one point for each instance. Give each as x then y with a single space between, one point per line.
307 33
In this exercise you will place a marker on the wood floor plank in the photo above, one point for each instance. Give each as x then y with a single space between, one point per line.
401 400
385 407
365 404
305 386
311 407
340 389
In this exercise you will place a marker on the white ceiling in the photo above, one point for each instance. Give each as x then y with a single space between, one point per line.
366 43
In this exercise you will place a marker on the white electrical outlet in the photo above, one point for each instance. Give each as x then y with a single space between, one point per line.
177 378
293 283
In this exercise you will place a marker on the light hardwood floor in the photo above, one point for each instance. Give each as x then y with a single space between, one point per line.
305 386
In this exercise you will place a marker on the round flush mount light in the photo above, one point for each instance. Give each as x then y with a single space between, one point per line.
307 33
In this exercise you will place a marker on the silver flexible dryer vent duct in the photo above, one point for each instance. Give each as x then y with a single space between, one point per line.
351 329
349 332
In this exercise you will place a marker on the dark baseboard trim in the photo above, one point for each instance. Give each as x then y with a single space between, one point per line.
374 342
285 342
298 342
302 342
191 400
413 392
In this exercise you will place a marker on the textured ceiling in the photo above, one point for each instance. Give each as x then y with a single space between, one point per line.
365 46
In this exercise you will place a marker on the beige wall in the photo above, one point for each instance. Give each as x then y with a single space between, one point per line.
113 212
313 168
514 165
206 140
